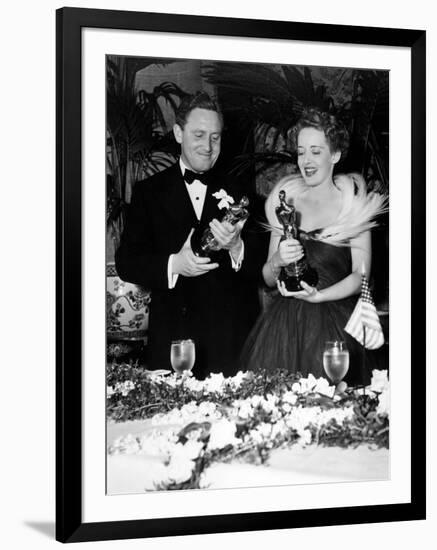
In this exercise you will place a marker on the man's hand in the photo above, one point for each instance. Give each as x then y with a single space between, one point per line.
227 235
186 263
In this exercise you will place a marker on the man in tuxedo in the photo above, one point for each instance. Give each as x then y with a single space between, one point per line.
214 302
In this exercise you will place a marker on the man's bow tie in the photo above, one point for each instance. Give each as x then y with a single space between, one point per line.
190 176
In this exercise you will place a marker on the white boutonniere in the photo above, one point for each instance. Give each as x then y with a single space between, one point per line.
225 199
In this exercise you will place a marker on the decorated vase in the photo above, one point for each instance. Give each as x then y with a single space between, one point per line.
127 308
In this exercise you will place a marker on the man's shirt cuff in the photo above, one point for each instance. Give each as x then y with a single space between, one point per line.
236 264
172 277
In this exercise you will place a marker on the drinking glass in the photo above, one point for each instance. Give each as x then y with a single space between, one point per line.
182 355
336 360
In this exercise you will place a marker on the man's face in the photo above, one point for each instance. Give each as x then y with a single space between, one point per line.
200 139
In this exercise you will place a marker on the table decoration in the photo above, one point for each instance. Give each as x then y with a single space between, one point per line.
195 423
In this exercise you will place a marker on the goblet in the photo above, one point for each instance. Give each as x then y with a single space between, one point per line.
336 360
182 355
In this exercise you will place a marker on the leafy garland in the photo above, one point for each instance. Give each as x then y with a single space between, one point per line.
138 394
241 418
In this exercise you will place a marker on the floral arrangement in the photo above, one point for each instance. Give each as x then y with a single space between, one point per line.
196 423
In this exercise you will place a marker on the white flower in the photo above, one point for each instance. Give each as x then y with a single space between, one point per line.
264 429
226 199
188 451
189 409
305 385
305 438
222 434
267 432
339 415
308 384
379 380
214 383
179 470
256 400
384 403
312 384
128 386
206 408
256 436
323 387
301 417
237 380
289 397
244 409
191 412
157 376
109 391
193 384
124 387
206 478
364 391
269 404
279 428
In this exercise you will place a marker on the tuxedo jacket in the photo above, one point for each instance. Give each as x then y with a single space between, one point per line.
216 309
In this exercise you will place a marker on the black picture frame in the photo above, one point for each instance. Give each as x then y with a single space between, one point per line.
69 523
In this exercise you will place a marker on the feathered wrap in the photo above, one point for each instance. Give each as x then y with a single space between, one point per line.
358 213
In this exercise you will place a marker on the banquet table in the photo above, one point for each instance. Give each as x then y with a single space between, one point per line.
136 473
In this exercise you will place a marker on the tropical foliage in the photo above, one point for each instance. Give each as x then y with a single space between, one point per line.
138 141
275 96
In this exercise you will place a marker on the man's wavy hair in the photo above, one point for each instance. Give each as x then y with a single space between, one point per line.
199 100
335 132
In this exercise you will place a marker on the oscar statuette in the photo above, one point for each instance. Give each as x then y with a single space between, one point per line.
295 272
203 242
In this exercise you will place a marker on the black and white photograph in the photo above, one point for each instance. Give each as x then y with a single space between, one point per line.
218 275
240 275
247 254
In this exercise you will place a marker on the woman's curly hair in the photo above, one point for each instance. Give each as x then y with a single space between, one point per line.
335 132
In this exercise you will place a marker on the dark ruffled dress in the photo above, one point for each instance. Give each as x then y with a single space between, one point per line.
291 333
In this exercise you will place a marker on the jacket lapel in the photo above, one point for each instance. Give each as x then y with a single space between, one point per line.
210 209
177 203
178 208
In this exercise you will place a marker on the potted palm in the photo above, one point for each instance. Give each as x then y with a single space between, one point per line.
138 145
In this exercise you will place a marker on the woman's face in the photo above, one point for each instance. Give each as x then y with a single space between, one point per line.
314 157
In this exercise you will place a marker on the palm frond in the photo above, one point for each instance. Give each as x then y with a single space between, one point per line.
259 161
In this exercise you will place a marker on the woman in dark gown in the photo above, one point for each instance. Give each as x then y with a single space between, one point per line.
336 215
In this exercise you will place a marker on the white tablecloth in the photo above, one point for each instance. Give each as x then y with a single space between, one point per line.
296 465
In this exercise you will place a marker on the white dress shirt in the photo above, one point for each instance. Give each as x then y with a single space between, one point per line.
197 192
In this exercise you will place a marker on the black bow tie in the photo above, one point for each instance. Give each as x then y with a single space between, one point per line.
190 176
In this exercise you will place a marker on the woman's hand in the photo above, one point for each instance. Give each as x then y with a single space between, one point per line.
308 294
289 250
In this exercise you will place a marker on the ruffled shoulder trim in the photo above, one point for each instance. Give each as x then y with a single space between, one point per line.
358 213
